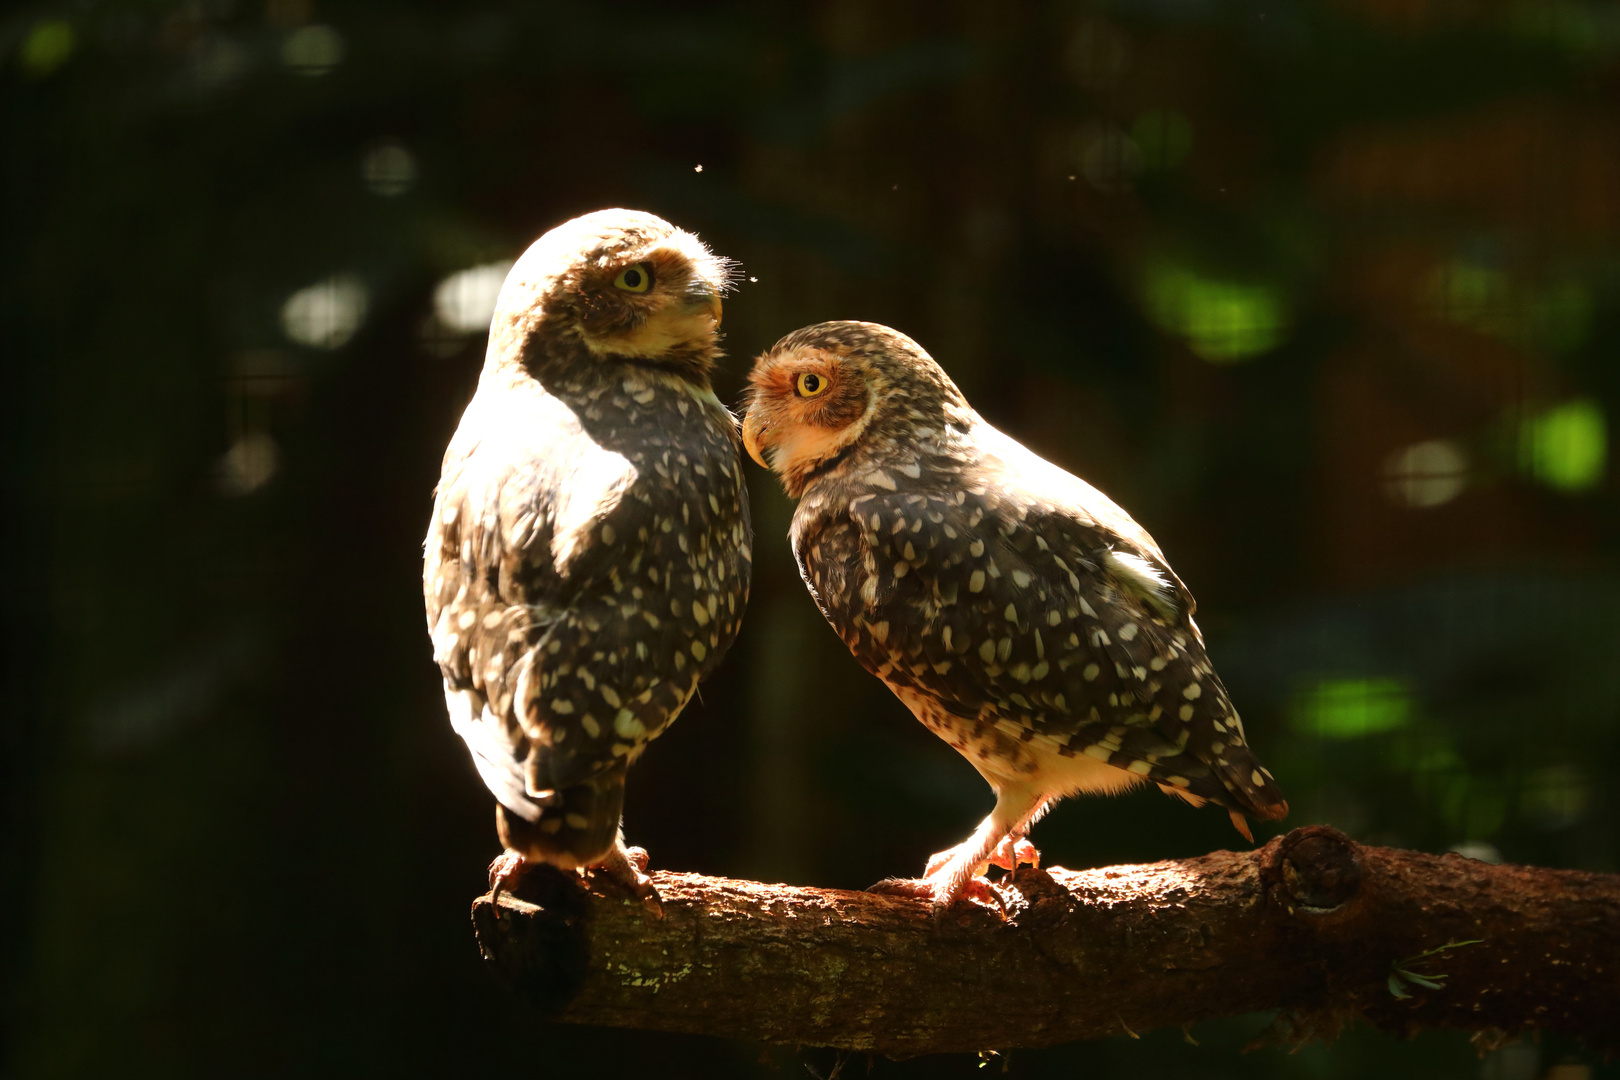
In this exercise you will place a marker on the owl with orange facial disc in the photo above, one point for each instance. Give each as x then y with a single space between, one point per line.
1018 612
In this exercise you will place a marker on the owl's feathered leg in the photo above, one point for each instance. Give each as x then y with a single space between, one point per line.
957 872
951 872
622 864
628 866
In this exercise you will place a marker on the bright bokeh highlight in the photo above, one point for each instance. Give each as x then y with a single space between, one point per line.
465 301
1223 321
327 314
1426 474
1352 708
1567 446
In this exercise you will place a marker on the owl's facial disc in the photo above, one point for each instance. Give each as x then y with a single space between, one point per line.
657 303
806 407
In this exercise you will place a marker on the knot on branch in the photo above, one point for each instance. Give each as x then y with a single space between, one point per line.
1315 871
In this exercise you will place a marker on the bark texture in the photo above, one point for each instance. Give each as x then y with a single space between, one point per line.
1310 924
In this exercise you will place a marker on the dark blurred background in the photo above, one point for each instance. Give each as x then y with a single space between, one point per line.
1326 294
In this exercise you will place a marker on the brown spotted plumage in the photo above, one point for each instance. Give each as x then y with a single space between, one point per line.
1016 610
588 559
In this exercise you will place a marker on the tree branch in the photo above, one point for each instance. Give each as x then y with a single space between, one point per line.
1310 924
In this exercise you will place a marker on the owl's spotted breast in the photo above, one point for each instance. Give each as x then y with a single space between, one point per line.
586 619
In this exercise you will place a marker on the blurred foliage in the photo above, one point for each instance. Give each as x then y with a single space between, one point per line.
1326 293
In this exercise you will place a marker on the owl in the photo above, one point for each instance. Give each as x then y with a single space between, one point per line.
1019 613
588 560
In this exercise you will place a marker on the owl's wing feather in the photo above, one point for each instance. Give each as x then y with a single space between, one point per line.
1047 621
561 586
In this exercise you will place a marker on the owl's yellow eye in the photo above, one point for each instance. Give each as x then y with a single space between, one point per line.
809 384
635 278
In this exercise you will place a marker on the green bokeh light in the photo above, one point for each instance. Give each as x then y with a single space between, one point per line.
1474 806
1352 708
1552 317
1165 138
1581 26
1567 446
47 47
1223 321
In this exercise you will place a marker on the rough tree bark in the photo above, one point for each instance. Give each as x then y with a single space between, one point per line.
1310 924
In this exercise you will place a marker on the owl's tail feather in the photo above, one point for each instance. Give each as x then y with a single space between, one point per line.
1250 788
1235 781
576 826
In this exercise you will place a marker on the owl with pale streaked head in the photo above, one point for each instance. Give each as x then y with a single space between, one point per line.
588 560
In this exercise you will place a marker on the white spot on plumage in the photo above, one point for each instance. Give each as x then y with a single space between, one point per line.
627 726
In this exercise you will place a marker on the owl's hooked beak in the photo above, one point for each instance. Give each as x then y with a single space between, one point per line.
753 430
706 301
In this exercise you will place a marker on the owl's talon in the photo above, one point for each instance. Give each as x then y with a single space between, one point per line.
939 894
638 858
979 889
504 873
909 888
628 867
1013 852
